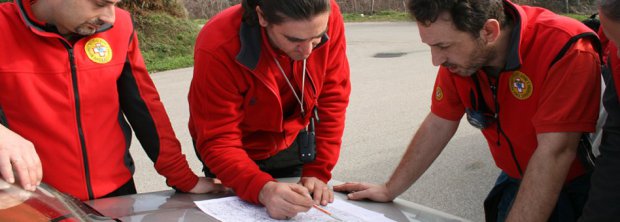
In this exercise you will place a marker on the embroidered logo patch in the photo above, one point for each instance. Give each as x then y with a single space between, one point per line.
438 94
98 50
520 85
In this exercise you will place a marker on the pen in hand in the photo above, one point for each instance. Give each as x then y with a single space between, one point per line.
326 212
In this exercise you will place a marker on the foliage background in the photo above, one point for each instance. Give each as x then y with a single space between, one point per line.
208 8
167 28
166 34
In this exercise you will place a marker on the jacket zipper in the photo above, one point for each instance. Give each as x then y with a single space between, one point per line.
76 96
494 89
3 120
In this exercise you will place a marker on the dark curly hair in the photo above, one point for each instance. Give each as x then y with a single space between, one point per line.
278 11
467 15
611 9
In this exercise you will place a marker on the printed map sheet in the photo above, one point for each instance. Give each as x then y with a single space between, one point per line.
234 209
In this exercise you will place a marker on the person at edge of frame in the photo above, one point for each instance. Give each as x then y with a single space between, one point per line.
71 76
603 202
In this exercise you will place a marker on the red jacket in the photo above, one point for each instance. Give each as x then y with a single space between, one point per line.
71 100
236 112
613 64
610 58
540 89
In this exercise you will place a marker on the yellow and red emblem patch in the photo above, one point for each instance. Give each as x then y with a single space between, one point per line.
520 85
98 50
438 93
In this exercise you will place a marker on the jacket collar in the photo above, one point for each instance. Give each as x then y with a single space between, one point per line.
513 58
251 39
25 12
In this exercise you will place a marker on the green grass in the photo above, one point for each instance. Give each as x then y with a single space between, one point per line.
166 42
199 22
384 16
157 63
577 16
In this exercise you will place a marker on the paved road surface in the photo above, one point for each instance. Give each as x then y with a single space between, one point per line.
392 80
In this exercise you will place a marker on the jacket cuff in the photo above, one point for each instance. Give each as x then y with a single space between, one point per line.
254 187
319 174
184 185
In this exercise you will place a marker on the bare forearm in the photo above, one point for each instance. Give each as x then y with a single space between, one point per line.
544 178
426 145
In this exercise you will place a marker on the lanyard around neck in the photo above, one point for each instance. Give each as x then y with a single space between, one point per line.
300 100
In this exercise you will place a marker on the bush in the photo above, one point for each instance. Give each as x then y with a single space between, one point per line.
166 42
141 7
207 9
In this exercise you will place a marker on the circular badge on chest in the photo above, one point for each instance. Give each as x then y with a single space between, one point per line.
98 50
438 93
520 85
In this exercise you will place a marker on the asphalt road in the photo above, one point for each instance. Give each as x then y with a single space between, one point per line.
392 80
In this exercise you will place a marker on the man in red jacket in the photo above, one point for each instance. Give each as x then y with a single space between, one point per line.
604 199
70 76
268 100
530 81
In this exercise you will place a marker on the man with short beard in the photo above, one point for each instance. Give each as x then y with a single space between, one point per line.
530 81
71 74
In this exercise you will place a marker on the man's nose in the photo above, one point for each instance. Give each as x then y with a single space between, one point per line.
437 57
305 48
108 15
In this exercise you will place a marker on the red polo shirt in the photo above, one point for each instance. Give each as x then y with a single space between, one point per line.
536 91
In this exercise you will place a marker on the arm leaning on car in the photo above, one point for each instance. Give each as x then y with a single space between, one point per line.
18 158
426 145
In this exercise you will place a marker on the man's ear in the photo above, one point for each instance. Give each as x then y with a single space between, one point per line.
490 31
261 17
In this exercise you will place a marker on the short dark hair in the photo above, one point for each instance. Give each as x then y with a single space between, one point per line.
611 9
278 11
467 15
